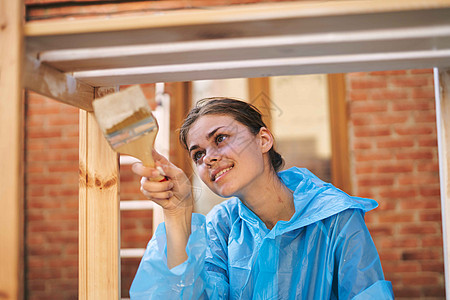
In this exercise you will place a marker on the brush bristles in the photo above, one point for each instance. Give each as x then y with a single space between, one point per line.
136 117
132 131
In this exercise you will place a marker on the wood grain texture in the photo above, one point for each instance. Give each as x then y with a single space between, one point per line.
11 150
259 96
248 41
299 9
442 88
52 83
340 160
99 230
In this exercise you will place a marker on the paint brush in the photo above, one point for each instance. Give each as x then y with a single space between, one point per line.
128 125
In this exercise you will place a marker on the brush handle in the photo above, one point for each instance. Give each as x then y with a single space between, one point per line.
141 149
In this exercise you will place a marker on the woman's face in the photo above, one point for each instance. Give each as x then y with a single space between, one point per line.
229 158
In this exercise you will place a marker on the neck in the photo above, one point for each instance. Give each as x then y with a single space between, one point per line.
271 200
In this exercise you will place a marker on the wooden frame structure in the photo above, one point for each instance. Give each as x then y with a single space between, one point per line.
71 60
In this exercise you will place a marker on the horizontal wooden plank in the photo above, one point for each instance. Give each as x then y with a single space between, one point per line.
354 41
257 20
267 67
52 83
267 11
250 41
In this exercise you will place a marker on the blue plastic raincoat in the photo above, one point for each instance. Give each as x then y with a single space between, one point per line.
324 252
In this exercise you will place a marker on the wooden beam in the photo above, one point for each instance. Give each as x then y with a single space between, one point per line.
99 261
330 41
11 150
259 96
267 67
340 163
180 104
230 14
52 83
442 90
257 40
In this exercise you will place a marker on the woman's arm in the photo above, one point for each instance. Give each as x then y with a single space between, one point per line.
175 197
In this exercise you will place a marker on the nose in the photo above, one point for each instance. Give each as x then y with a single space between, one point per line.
211 157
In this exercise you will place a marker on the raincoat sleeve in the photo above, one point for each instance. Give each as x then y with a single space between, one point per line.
199 277
359 271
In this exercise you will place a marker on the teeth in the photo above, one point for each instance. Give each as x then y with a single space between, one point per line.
221 172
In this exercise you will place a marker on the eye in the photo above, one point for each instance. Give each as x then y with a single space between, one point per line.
220 138
197 155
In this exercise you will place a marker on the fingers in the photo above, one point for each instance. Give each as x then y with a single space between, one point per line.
156 190
139 169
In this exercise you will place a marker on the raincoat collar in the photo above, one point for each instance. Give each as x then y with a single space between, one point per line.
314 200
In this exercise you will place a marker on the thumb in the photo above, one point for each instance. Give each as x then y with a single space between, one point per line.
159 158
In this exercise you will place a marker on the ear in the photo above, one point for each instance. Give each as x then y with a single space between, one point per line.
266 139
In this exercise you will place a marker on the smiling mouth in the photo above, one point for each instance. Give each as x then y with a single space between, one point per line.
222 172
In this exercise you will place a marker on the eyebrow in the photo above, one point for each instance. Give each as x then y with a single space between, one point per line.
208 136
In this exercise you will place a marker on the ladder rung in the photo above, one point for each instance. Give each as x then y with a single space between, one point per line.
132 252
136 205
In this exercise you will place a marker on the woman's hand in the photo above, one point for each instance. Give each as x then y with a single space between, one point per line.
173 195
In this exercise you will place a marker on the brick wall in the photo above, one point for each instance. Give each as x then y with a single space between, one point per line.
393 154
395 161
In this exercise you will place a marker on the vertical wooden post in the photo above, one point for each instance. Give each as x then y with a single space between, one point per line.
340 163
99 216
11 150
259 96
442 92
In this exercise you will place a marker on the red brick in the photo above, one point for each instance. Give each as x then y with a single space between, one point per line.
428 166
377 181
387 73
364 169
415 155
414 105
381 230
430 191
395 143
389 94
422 71
373 156
424 228
433 241
361 121
425 117
413 179
359 107
428 142
410 81
424 93
434 291
414 130
396 217
389 254
432 266
390 119
401 242
417 279
368 83
409 292
398 193
360 145
414 204
371 132
358 95
431 216
394 168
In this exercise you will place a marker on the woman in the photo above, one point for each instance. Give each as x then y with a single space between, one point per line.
285 235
